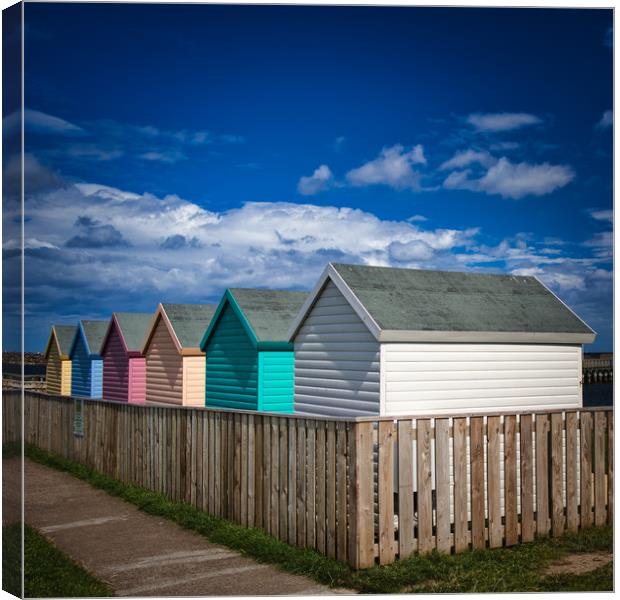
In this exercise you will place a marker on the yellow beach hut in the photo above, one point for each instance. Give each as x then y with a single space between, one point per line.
58 370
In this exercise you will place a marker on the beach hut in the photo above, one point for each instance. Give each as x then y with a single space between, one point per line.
387 341
249 359
58 368
124 367
87 365
175 364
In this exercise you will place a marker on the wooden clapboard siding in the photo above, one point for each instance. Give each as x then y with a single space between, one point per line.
232 365
164 368
193 381
66 375
447 378
136 392
53 371
115 367
336 360
311 482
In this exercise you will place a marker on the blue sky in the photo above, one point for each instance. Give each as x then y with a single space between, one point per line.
175 150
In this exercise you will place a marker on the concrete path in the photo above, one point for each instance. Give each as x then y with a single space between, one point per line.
139 554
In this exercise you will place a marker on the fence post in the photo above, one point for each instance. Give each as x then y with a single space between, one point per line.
361 531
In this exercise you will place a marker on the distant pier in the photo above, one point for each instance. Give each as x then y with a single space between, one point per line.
598 367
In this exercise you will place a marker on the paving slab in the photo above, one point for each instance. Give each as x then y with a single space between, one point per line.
139 554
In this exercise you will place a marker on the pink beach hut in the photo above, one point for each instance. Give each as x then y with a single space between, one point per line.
124 366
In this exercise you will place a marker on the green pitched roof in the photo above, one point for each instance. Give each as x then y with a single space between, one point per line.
64 335
133 328
94 332
189 321
422 300
269 312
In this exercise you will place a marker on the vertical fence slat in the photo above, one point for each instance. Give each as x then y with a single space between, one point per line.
266 475
330 492
275 489
310 485
259 473
510 480
476 427
386 492
292 483
302 497
283 480
585 475
600 515
493 481
557 478
251 500
405 489
442 484
320 486
542 475
361 533
527 478
341 491
572 493
245 454
424 474
461 541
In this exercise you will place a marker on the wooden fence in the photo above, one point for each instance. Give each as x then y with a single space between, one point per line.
358 490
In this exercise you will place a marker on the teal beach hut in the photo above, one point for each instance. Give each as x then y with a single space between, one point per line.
249 361
86 360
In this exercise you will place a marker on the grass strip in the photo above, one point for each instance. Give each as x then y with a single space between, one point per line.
49 573
514 569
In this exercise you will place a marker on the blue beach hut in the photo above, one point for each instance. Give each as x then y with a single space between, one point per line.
86 360
249 361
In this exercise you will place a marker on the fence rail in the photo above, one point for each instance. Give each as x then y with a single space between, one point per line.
356 490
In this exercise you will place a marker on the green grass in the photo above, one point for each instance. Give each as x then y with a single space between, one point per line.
518 568
48 572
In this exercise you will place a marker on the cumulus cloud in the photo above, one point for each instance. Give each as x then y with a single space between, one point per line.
91 245
606 120
514 180
411 251
319 181
393 167
466 157
504 121
177 241
95 235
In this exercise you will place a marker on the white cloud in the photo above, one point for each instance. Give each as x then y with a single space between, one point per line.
606 120
603 215
505 121
39 121
393 167
466 157
411 251
514 180
93 245
319 181
417 219
166 156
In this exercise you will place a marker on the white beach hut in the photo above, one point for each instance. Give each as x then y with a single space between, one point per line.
386 341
